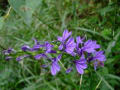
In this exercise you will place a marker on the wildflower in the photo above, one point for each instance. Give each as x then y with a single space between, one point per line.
65 35
81 64
70 45
90 46
79 41
8 58
36 46
21 57
39 56
44 66
99 56
68 70
48 48
55 66
99 59
25 47
8 51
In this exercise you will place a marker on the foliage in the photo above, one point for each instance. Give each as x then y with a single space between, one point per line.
46 19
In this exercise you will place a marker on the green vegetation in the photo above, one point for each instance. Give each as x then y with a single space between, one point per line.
45 20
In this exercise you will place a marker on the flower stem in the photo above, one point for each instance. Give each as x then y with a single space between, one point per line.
98 84
62 65
81 80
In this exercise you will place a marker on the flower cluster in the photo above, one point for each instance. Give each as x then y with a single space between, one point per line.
83 53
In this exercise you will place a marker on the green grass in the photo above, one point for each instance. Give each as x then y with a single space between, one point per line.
45 21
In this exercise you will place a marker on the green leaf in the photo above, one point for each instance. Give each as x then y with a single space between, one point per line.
25 8
1 22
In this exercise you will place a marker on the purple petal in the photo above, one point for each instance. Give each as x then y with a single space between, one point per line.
8 58
44 66
95 65
90 46
25 47
19 58
79 69
66 34
68 70
59 57
48 47
61 47
70 45
83 66
59 39
100 56
39 56
52 51
79 40
55 68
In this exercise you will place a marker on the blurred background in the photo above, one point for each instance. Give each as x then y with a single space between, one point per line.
21 20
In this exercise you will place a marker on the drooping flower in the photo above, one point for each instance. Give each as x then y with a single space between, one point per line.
25 47
39 56
48 48
55 66
81 64
68 70
8 58
98 59
19 58
90 46
36 46
8 51
99 56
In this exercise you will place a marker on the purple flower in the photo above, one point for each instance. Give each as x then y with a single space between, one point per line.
99 59
25 47
39 56
55 66
68 70
44 66
8 58
65 35
79 41
48 48
36 46
90 46
99 56
81 64
68 46
8 51
21 57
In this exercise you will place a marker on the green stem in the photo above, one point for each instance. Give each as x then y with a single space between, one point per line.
81 80
62 65
98 84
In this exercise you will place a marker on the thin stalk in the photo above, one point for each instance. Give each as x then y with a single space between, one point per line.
81 80
98 84
7 14
62 65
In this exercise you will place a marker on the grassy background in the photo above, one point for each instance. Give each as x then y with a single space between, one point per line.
45 19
